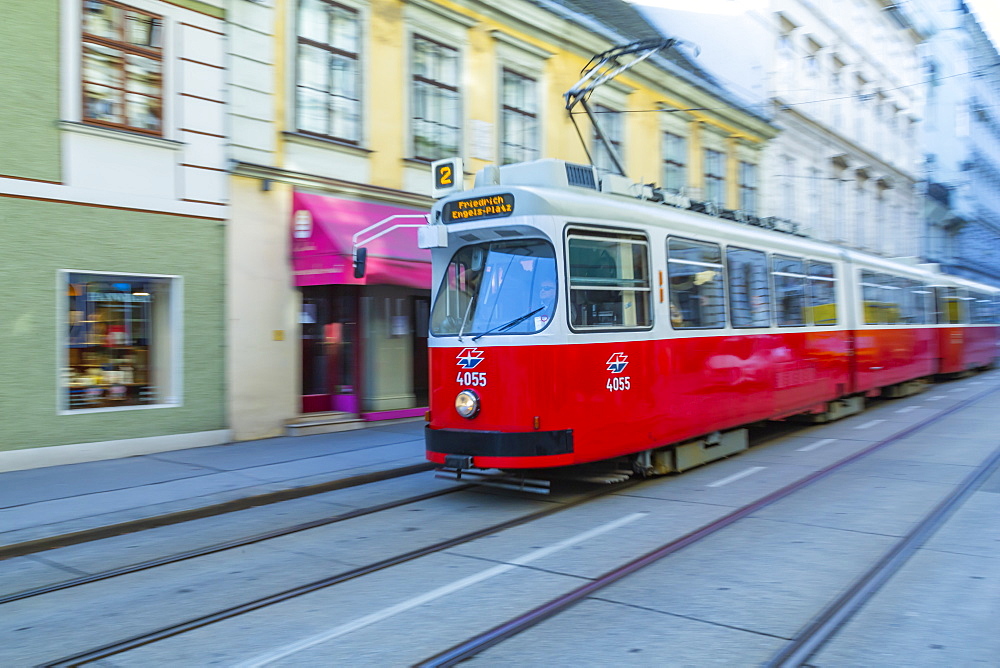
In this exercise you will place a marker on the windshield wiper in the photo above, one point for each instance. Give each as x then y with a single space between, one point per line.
461 329
507 325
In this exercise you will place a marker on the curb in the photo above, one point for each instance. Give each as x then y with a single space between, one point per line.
178 517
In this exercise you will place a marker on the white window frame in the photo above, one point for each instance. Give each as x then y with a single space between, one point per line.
71 72
173 389
526 60
711 177
426 19
363 59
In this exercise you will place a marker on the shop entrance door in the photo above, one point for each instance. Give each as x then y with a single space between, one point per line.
329 343
420 307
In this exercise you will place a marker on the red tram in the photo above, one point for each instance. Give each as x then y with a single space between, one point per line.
578 320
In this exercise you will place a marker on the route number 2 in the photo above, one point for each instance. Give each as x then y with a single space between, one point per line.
445 177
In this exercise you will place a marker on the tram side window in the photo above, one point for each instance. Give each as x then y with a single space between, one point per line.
909 305
982 309
922 299
892 291
697 291
822 294
749 292
873 295
608 280
950 311
789 290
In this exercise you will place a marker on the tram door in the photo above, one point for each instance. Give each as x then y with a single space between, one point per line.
329 325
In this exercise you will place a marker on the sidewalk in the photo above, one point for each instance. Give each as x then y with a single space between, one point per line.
38 506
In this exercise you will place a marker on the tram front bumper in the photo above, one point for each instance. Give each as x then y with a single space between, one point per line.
461 445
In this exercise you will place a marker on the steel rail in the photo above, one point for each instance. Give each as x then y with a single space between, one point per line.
121 646
826 624
498 634
228 545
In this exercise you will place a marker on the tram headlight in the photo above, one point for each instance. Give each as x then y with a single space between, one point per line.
467 404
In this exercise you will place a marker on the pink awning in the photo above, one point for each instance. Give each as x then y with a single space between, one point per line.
322 228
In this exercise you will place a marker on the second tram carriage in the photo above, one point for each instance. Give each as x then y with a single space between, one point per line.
577 320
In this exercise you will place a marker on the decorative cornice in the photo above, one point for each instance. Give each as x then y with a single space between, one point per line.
120 135
302 180
443 12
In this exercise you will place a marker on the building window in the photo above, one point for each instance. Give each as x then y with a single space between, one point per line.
519 118
839 211
715 177
812 57
328 96
436 106
120 332
748 187
122 68
674 162
788 188
611 125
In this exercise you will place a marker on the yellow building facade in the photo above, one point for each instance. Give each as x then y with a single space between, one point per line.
337 110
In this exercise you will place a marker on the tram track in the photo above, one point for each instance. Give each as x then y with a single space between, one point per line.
776 432
825 625
815 633
498 634
121 646
35 546
228 545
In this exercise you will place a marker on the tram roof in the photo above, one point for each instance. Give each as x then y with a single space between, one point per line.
531 194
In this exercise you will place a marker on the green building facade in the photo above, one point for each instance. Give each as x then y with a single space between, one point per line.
113 209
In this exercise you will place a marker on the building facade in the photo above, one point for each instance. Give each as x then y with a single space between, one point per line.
961 143
338 109
837 78
113 208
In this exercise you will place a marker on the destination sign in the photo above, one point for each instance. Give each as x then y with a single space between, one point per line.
494 206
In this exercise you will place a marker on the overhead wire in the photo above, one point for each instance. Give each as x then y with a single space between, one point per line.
975 72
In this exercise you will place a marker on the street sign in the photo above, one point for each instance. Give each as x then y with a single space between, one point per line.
448 177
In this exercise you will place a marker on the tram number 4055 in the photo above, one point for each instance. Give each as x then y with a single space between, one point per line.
619 383
472 378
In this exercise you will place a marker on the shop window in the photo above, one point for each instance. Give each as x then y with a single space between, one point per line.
119 338
122 67
436 100
328 97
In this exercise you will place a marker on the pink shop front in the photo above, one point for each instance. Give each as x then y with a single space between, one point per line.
363 341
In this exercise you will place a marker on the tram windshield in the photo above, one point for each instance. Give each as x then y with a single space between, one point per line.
501 287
